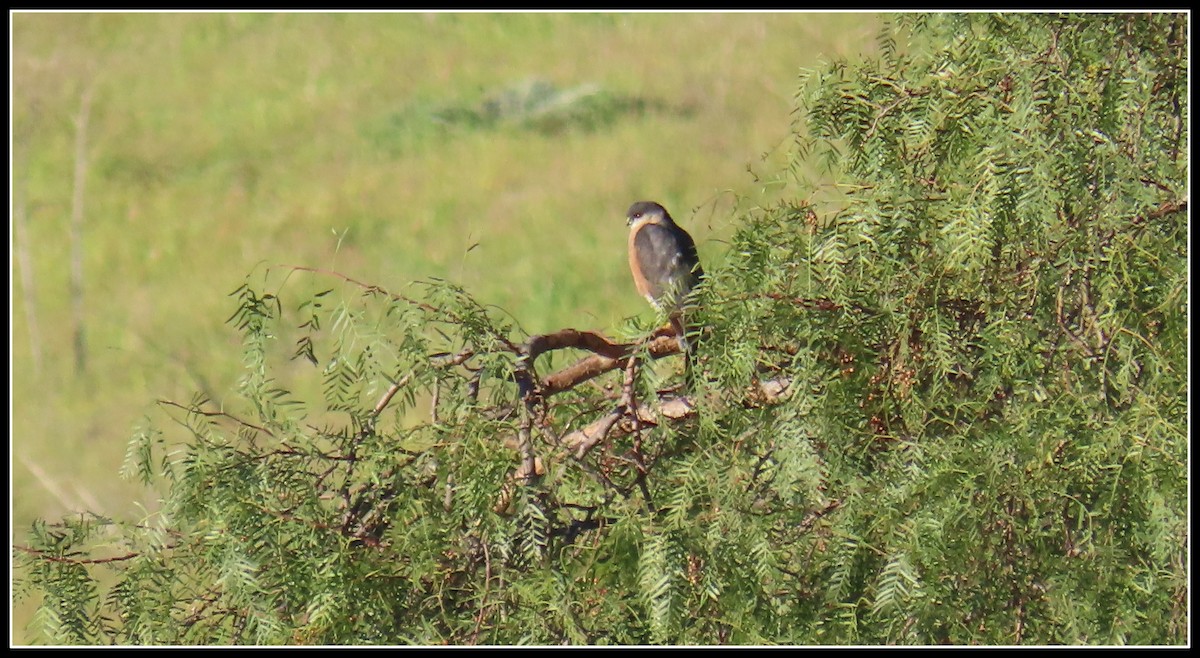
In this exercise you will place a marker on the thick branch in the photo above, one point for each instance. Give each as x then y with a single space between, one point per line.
581 441
606 355
619 423
584 340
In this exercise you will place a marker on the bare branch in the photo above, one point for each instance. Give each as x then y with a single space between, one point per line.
218 414
581 441
606 356
457 359
391 393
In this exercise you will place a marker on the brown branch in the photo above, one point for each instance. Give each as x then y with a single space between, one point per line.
457 359
606 355
627 402
627 418
584 340
433 402
620 422
582 440
391 393
1166 208
623 422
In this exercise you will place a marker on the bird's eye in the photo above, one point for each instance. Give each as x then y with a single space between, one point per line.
637 215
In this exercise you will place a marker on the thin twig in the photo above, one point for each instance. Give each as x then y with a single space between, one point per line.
425 306
222 414
43 555
457 359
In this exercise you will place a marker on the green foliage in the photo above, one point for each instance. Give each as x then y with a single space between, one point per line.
1010 260
981 440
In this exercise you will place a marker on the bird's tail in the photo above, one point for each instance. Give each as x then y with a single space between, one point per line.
688 349
681 333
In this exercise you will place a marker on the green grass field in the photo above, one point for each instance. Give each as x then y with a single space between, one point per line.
377 145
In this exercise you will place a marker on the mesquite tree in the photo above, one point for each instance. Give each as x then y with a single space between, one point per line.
942 400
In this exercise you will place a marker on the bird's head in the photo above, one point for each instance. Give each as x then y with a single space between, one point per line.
647 211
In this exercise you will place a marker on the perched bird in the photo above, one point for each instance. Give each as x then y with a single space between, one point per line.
664 262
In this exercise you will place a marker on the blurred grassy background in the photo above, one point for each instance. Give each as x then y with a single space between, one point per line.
496 150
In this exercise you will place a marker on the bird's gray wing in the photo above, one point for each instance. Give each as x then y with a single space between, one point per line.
694 272
668 261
